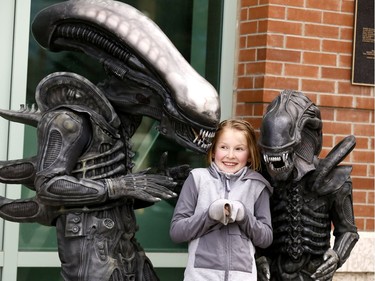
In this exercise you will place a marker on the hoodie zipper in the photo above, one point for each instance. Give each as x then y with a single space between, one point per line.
227 240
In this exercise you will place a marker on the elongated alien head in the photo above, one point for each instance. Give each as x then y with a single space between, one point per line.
291 135
147 75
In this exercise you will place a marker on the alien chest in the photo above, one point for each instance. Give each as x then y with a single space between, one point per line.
301 226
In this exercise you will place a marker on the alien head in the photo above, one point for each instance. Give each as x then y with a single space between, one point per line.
147 75
291 135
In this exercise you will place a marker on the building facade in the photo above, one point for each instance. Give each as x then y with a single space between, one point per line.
307 45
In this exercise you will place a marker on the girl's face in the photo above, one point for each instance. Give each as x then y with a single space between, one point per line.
231 151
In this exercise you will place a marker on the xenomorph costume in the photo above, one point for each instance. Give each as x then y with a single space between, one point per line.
82 173
309 193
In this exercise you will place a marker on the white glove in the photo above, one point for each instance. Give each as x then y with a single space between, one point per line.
238 211
220 210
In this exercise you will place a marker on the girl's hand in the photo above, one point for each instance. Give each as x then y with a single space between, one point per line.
226 211
220 210
238 211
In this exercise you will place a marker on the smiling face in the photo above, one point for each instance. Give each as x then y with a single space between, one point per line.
231 151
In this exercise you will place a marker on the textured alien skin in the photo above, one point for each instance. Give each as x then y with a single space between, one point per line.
310 194
82 174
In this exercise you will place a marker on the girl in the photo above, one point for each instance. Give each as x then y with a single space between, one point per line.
223 210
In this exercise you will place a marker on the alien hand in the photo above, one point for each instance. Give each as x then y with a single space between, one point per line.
178 173
326 270
220 210
142 186
238 211
263 266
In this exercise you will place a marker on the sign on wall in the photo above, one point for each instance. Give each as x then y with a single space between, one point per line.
363 44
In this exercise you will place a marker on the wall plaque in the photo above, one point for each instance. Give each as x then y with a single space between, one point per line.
363 44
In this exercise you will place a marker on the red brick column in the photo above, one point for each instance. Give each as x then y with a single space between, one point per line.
306 45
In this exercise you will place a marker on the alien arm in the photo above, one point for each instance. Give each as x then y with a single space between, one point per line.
62 138
20 171
64 135
27 210
345 231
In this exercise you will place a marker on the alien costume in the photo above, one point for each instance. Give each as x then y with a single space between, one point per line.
82 173
83 160
310 193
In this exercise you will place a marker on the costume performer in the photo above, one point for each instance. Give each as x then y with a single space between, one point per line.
82 173
310 194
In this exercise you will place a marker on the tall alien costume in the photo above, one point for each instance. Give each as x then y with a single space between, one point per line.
309 195
82 173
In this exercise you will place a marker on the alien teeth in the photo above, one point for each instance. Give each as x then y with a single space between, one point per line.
204 138
283 168
274 158
285 157
277 163
265 157
268 159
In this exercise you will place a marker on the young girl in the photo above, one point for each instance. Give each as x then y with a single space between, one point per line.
223 210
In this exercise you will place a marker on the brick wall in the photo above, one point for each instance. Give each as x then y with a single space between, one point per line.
306 45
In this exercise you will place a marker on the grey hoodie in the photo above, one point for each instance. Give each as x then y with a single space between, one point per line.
216 251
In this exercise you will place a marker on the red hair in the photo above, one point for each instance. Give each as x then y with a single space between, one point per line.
249 132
